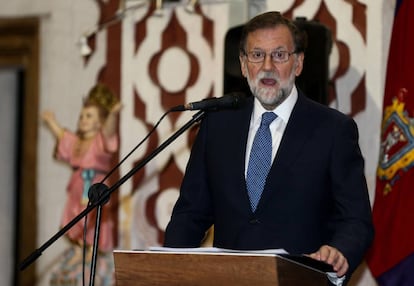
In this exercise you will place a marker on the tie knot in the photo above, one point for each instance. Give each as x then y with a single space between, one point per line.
268 117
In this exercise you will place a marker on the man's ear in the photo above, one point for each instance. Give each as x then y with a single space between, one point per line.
243 66
299 67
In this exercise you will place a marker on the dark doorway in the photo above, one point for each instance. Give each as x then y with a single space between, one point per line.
19 41
10 99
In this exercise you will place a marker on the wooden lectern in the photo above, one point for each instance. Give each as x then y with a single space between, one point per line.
133 268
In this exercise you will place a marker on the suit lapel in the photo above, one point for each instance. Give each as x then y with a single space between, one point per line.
241 137
239 140
295 136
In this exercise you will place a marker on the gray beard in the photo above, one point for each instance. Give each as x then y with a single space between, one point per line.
267 97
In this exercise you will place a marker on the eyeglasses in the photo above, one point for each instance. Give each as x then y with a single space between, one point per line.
259 56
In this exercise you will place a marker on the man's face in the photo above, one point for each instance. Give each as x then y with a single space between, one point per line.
270 81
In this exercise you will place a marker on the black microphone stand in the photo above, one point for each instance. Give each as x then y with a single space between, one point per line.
99 194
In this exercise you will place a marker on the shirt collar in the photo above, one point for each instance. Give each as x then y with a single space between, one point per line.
283 111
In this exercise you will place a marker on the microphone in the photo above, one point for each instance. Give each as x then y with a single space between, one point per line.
231 100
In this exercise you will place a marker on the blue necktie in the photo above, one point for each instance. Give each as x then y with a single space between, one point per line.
260 160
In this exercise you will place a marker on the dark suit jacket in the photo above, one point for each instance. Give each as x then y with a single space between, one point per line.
315 192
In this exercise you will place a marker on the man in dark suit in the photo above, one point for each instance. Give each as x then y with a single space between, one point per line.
314 199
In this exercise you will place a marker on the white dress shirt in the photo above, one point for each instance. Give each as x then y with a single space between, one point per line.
277 127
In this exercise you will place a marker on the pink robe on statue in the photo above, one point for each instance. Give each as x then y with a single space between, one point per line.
97 162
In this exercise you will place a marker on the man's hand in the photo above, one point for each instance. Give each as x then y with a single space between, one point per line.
333 257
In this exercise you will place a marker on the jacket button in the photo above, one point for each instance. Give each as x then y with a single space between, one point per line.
254 221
